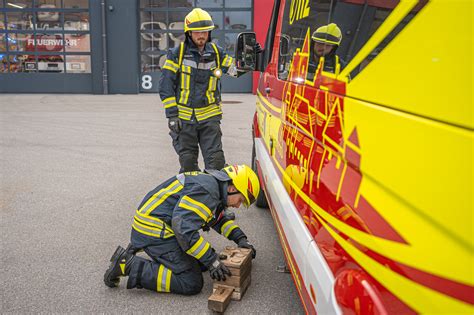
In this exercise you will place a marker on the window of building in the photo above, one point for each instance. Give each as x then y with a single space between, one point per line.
162 26
45 36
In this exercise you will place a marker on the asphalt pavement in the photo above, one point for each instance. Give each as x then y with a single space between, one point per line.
73 170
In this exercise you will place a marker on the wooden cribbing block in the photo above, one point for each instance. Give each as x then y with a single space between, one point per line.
239 262
220 298
238 293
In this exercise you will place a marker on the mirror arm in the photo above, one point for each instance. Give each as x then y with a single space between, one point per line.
259 63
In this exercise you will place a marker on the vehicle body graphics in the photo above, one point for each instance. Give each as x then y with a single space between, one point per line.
368 171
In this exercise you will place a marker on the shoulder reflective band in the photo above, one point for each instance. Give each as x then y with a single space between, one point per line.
181 53
199 248
218 58
197 207
163 280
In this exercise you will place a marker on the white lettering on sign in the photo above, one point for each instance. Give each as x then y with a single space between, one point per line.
147 82
53 42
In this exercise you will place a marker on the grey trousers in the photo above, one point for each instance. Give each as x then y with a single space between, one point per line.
207 136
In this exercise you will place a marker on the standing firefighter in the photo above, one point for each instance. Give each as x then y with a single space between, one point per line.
190 92
166 226
326 40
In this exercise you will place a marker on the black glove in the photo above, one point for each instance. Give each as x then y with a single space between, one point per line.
218 270
175 124
258 48
244 243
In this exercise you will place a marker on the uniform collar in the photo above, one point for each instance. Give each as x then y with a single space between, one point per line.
192 46
223 180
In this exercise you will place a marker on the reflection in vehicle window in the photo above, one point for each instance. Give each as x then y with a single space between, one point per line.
297 22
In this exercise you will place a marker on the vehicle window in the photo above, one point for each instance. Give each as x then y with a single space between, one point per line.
358 20
300 18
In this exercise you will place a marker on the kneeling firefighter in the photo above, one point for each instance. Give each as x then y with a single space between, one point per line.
166 227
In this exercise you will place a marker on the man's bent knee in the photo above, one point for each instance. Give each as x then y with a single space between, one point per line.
216 160
191 282
189 162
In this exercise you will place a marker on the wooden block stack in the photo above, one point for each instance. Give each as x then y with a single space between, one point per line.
239 262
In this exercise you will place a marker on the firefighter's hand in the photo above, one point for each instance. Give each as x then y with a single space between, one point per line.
175 124
218 270
244 243
258 48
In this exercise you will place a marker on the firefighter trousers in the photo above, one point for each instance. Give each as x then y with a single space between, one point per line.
206 135
170 269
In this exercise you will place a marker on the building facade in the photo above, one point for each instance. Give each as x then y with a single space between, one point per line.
105 46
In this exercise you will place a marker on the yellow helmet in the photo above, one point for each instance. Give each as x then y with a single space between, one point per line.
328 34
245 181
198 20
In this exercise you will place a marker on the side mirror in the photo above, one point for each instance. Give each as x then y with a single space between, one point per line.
245 54
284 45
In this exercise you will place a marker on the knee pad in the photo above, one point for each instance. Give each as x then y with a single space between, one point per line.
216 160
189 162
194 284
135 276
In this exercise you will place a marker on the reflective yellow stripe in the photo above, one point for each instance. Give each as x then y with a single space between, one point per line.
203 110
199 248
185 109
228 227
186 69
160 196
218 58
152 221
171 66
185 84
227 61
152 225
168 280
214 112
163 280
213 80
184 116
169 102
143 229
185 112
210 90
181 53
197 207
159 283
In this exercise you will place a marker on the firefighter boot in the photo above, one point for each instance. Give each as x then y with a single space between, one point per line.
120 264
